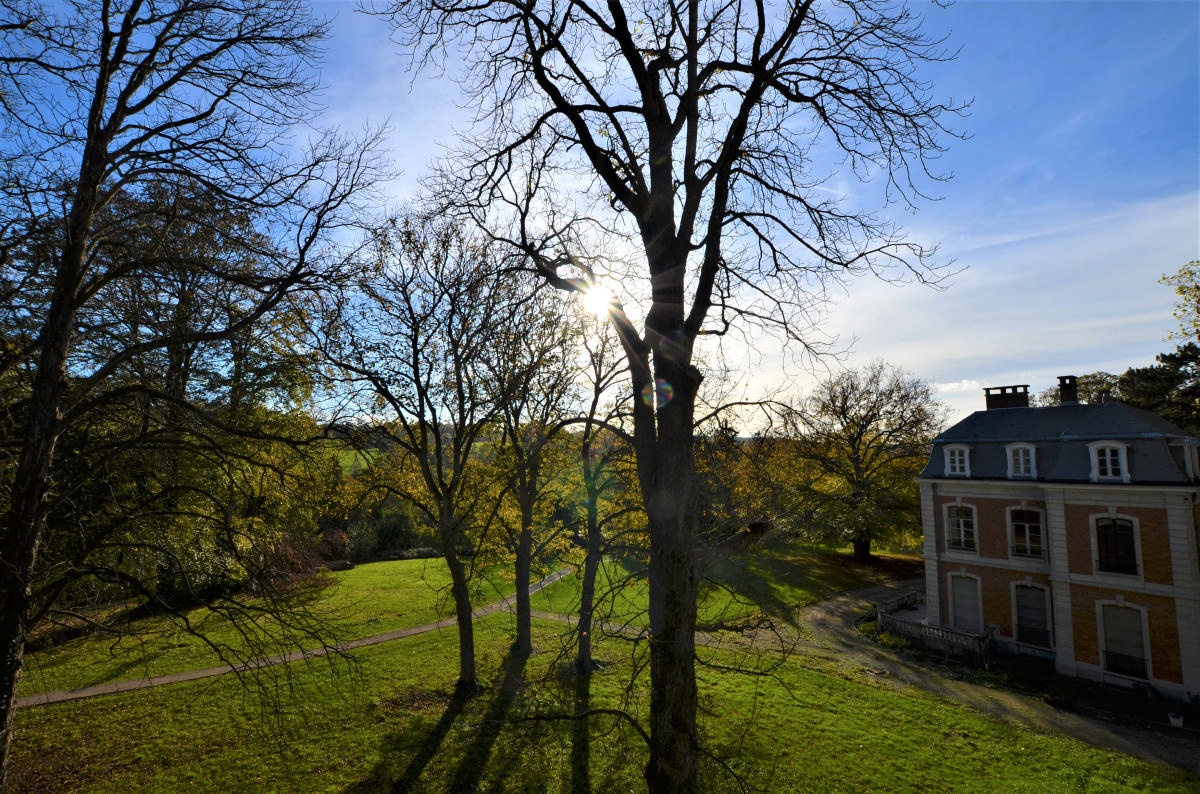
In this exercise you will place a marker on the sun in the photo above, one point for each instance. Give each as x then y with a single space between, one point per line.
597 300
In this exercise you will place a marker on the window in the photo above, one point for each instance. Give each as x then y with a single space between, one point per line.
957 462
960 522
1124 643
1026 532
1109 463
1021 462
964 604
1033 619
1116 545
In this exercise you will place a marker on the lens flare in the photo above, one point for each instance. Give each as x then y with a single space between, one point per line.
597 300
658 395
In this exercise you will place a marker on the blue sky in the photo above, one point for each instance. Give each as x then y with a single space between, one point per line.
1078 188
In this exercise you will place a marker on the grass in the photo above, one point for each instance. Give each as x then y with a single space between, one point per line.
771 580
387 721
364 601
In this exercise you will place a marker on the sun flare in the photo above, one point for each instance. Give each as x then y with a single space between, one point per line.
597 300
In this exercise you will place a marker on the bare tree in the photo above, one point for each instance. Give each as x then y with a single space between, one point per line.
101 100
708 134
418 338
535 371
604 445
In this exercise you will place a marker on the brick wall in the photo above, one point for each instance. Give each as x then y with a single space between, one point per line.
1152 528
1160 613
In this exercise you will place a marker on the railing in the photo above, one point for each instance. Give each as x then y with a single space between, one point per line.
942 637
909 598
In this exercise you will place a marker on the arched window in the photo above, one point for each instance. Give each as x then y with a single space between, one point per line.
958 461
1022 461
1116 545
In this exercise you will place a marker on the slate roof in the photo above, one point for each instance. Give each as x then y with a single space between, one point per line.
1061 434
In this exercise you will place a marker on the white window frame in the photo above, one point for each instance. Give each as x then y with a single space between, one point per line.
1102 641
1013 453
1093 520
1012 532
1104 451
952 451
974 549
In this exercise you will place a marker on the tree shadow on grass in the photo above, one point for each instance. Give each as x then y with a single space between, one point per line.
477 754
773 578
401 744
580 735
435 748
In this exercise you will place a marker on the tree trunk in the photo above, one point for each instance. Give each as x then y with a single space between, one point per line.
587 592
523 646
670 506
19 558
862 550
26 514
12 634
460 591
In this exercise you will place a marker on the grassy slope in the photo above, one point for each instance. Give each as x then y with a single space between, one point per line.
387 722
366 600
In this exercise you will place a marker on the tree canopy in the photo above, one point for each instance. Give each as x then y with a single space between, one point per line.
126 125
863 436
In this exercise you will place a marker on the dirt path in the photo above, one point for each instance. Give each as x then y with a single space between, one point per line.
833 624
113 687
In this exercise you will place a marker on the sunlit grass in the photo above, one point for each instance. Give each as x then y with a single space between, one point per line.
366 600
390 720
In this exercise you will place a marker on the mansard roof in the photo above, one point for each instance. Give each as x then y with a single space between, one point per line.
1061 434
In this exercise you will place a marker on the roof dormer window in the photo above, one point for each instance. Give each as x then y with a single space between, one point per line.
1022 462
958 462
1109 462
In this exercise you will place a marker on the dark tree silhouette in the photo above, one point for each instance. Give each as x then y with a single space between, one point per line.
706 135
101 100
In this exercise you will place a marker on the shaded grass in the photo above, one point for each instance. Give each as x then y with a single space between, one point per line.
388 720
742 584
394 726
363 601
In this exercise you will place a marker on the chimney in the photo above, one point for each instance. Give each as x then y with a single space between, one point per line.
1007 396
1068 390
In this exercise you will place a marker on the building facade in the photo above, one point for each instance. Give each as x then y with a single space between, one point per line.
1071 531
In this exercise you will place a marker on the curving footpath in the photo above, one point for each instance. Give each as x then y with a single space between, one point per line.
832 622
113 687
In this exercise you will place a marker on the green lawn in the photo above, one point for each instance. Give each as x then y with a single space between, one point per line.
366 600
386 720
770 580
